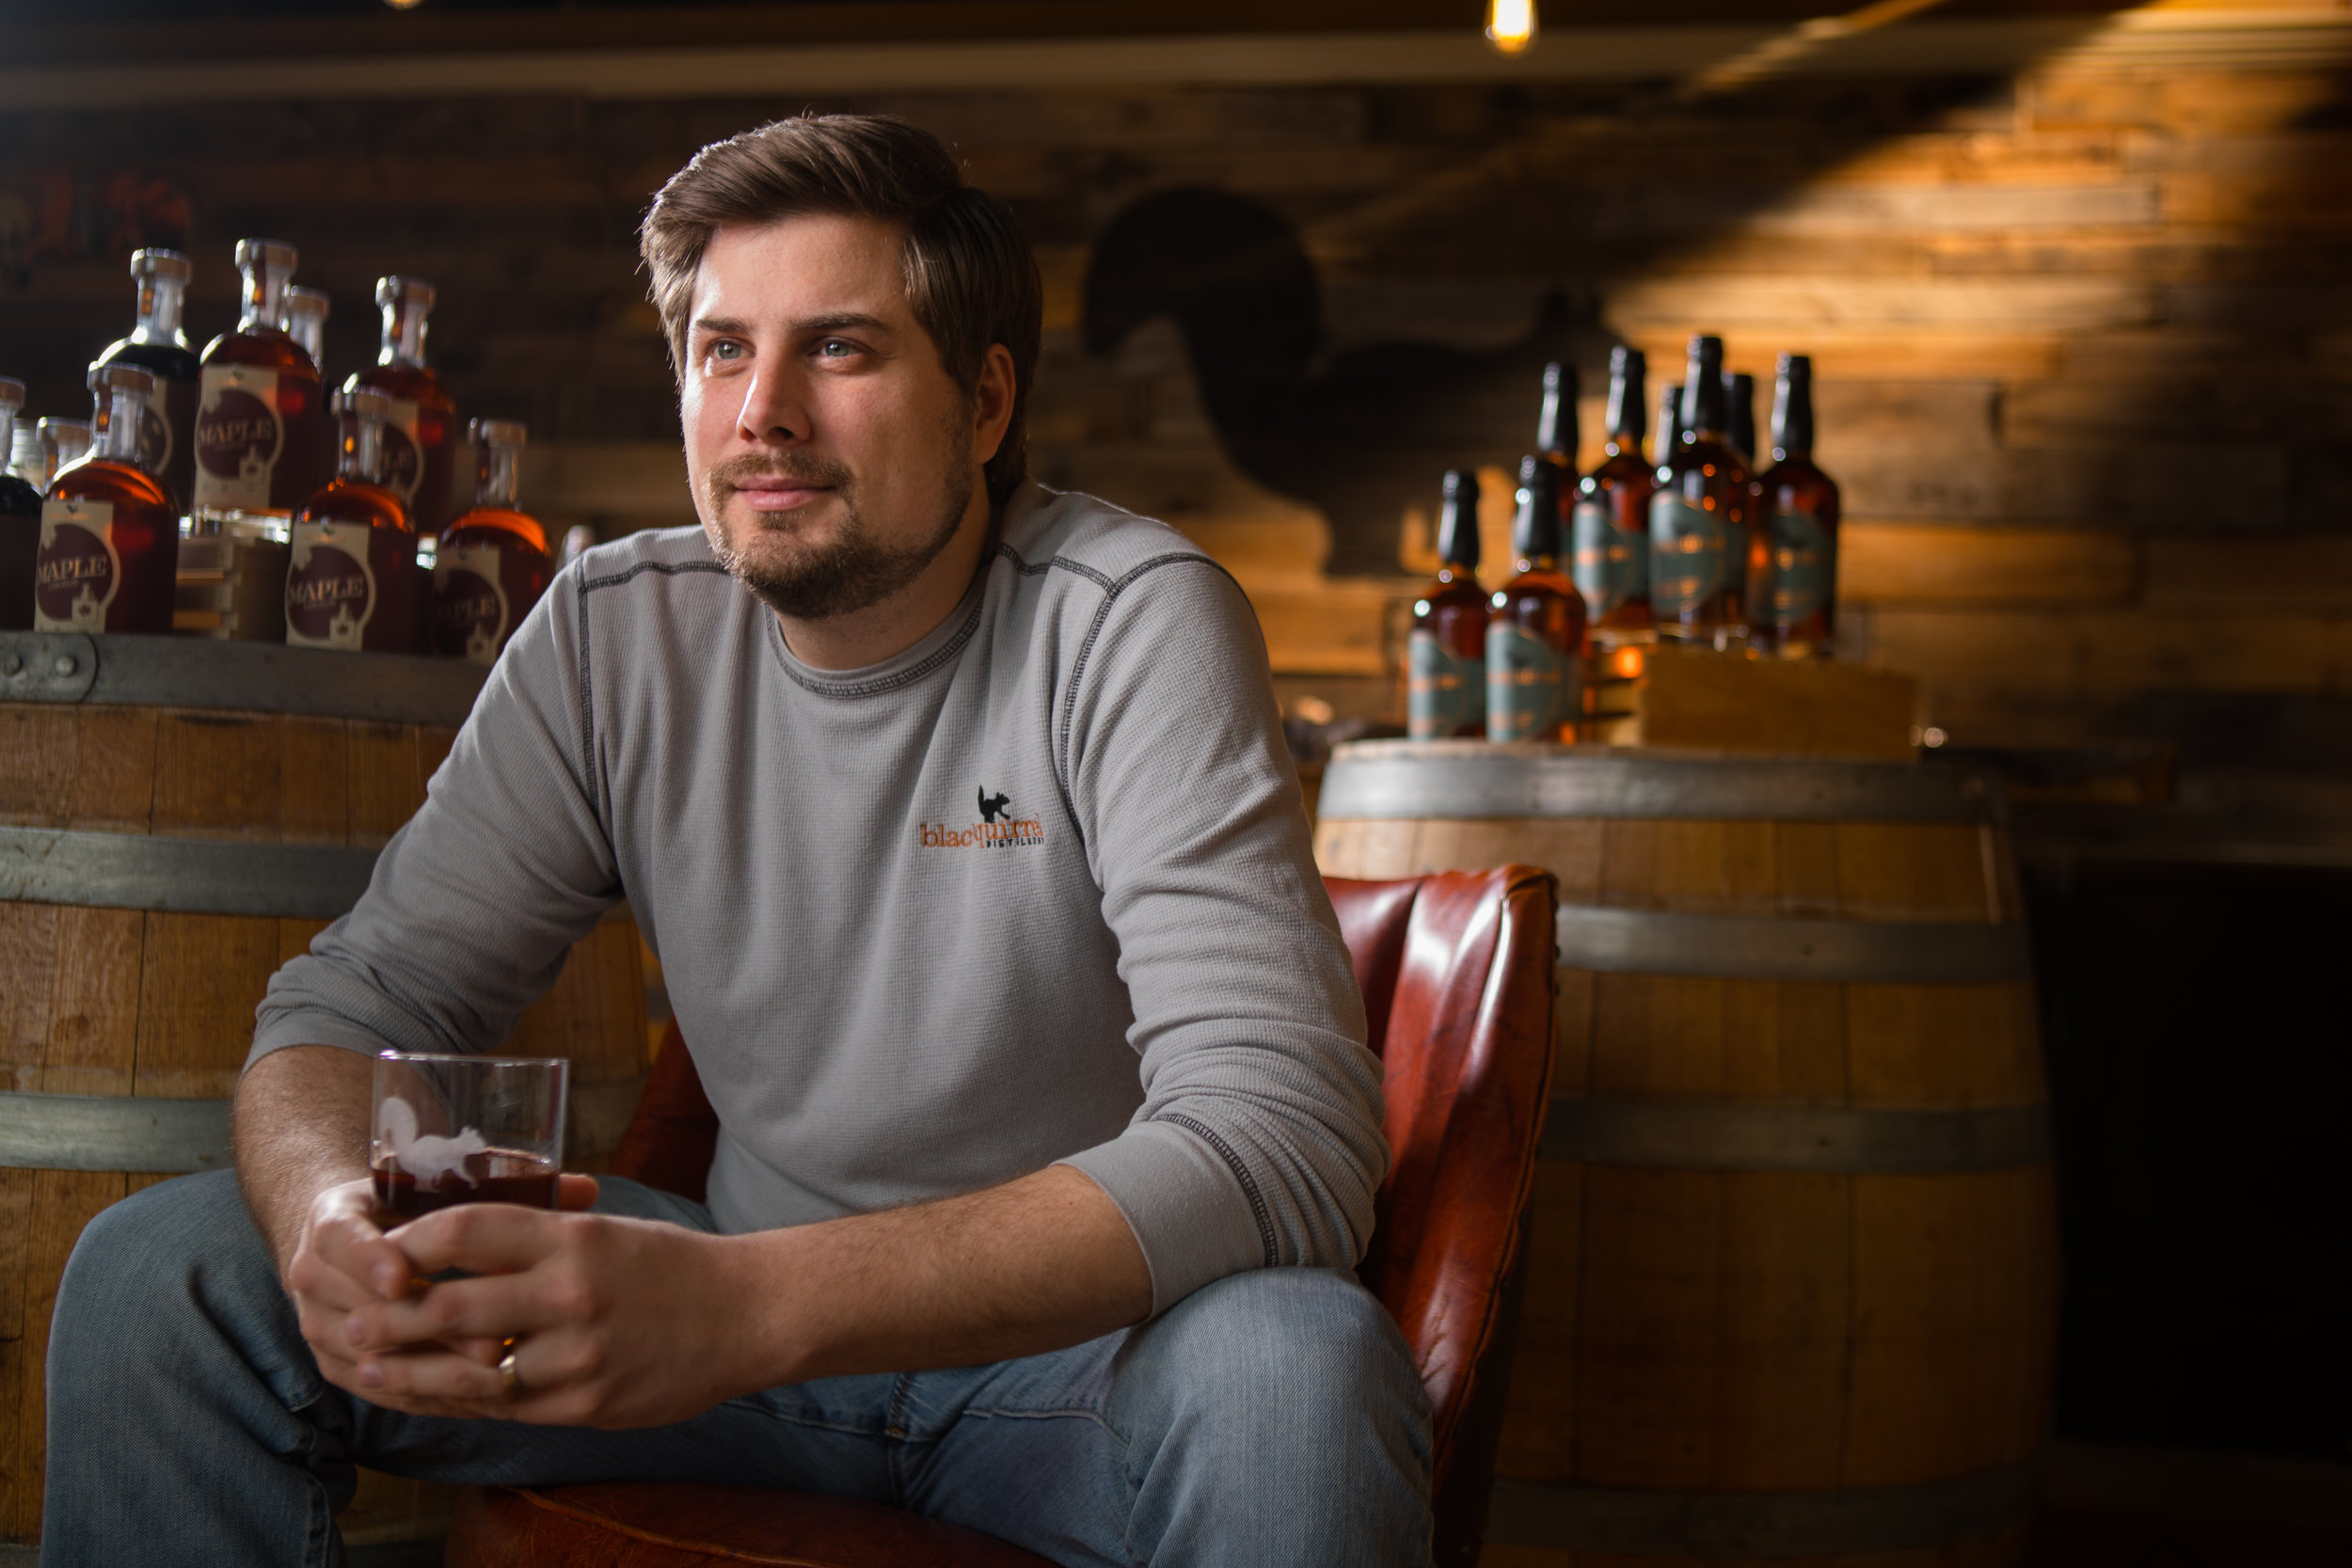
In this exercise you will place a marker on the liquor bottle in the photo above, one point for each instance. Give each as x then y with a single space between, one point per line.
1797 604
63 441
304 317
1446 654
352 583
20 521
260 417
1555 427
1535 625
109 528
1669 422
157 346
28 456
493 561
1703 537
420 438
1609 526
1740 416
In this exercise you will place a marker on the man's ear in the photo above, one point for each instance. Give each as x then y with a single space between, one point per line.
992 403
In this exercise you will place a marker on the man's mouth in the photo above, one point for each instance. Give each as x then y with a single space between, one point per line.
778 495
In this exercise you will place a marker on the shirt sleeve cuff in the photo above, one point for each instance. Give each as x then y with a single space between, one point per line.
1185 1203
314 1026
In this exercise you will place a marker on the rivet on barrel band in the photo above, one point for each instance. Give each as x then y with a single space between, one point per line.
1759 1524
1386 780
1719 1135
85 1132
1736 948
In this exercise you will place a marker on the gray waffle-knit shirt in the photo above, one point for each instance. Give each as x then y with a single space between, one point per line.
1037 889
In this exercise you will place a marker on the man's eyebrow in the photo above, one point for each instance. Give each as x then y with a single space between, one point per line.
725 326
841 321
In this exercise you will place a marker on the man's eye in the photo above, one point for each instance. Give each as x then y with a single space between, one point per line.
724 349
836 348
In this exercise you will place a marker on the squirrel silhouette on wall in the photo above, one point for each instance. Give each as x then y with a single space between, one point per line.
1360 434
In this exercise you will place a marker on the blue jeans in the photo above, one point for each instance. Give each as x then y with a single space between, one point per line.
1272 1417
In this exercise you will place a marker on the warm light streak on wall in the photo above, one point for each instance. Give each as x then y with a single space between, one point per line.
1511 24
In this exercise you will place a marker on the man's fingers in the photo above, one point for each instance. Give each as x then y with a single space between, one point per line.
430 1375
450 1313
353 1246
479 1238
575 1192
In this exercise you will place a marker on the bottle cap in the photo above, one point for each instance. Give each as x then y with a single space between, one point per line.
413 292
513 433
303 300
1796 367
1622 359
275 255
362 403
12 393
122 377
155 263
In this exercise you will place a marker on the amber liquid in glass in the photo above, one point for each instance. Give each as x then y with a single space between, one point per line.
420 471
494 1176
139 552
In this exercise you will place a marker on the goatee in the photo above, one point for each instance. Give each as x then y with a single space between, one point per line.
849 573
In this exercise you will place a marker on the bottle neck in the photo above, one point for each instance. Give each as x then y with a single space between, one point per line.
126 410
28 460
161 301
8 435
1625 413
1792 421
495 469
264 297
1555 429
362 458
404 334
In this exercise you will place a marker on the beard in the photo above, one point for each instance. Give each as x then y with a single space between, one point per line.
851 572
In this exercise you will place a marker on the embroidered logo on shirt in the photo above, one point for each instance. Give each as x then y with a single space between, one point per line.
999 828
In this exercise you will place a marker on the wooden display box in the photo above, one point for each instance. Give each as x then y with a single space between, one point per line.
1728 702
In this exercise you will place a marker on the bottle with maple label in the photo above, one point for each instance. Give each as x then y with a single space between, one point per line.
1702 532
1535 625
1445 657
352 583
20 522
109 528
1610 524
1797 601
419 439
493 561
261 414
158 346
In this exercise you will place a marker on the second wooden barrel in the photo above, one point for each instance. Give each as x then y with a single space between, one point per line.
1793 1283
177 818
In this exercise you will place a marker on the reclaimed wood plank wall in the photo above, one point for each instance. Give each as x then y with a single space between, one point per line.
2083 333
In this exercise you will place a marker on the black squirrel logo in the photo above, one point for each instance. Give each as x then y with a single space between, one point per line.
992 809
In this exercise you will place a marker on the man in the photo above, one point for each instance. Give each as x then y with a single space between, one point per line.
1046 1140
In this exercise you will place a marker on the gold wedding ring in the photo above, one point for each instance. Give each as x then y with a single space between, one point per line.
510 1375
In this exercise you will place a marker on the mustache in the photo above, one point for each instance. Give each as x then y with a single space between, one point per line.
736 473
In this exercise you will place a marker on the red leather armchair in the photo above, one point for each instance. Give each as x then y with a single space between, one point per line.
1456 971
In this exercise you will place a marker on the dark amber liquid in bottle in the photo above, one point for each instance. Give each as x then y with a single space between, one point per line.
1453 611
389 613
1707 475
436 444
1621 487
1795 485
1540 599
524 566
20 542
301 408
144 532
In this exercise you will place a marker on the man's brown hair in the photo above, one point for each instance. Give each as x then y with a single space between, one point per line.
970 278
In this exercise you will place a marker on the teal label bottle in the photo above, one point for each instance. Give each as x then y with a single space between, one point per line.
1445 694
1532 689
1690 553
1805 566
1611 565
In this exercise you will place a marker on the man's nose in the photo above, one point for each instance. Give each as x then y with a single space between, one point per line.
774 412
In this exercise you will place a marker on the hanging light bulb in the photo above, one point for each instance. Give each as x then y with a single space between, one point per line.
1511 24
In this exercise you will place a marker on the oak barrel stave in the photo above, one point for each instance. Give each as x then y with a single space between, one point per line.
1795 1301
131 1003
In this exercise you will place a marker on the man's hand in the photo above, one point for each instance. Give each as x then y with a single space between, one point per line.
343 1261
616 1322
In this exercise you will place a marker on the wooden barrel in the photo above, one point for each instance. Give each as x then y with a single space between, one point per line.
177 818
1792 1287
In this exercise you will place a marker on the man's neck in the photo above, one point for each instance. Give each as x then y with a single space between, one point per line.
890 627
